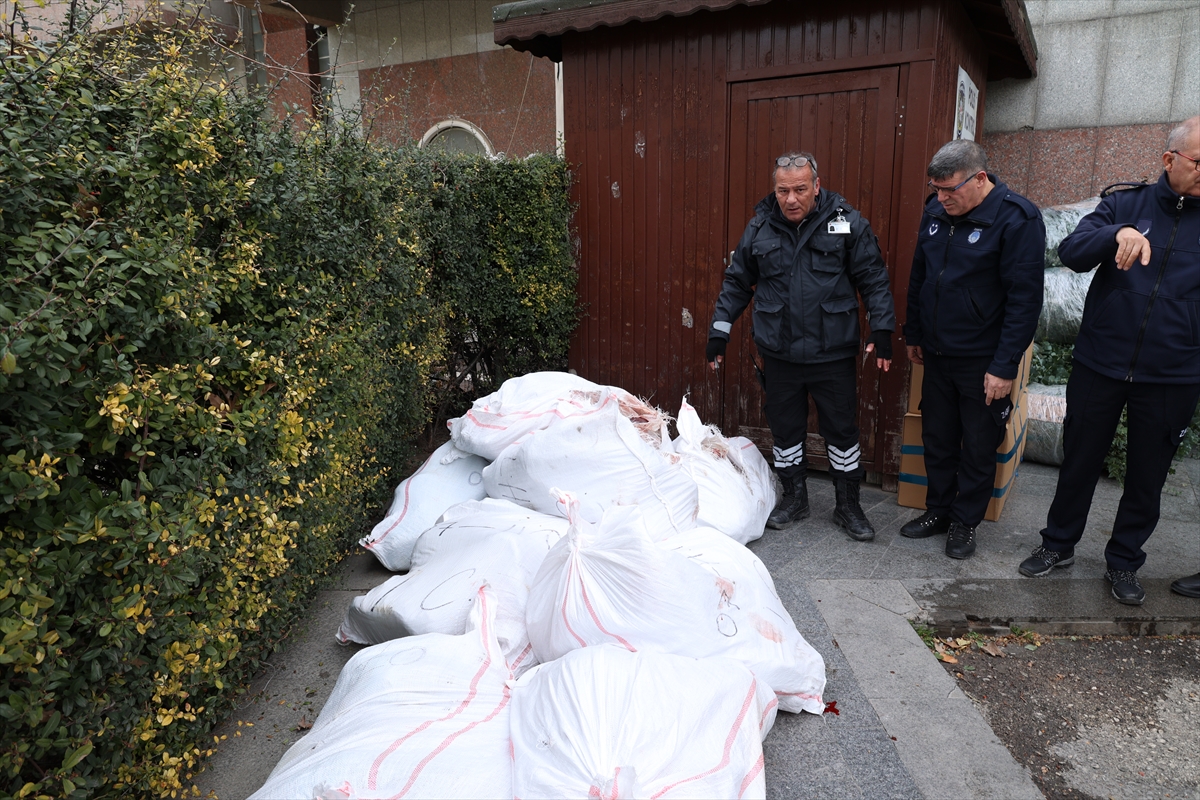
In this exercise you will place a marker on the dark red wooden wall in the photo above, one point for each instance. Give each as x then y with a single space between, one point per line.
648 115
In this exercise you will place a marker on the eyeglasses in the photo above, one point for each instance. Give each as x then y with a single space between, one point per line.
792 161
1195 161
947 189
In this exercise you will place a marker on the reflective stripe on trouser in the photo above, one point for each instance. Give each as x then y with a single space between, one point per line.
789 457
832 386
843 460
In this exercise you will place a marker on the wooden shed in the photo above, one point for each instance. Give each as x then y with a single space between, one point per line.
674 110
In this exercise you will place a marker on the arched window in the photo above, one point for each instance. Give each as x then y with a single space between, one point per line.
457 136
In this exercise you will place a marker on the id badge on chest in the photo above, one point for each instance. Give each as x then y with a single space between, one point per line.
838 225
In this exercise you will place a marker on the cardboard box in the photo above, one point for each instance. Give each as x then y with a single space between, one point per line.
913 483
914 389
917 376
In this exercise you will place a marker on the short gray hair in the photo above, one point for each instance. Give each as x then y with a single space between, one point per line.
1180 133
960 155
812 163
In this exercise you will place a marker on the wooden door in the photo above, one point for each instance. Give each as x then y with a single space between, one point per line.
847 120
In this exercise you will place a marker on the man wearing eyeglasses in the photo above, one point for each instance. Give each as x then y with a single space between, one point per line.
974 296
1138 349
802 258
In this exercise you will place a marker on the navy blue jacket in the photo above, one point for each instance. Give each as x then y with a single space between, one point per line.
1141 325
976 283
803 281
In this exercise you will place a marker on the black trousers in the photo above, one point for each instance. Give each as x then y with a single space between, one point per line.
960 434
1159 414
833 389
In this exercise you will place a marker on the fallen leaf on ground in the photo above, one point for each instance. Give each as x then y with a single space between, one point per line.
993 650
831 708
303 724
949 659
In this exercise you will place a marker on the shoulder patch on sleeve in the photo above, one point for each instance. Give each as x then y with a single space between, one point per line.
1031 211
1121 187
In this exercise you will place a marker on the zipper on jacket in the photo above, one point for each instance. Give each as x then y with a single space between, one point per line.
937 286
1162 270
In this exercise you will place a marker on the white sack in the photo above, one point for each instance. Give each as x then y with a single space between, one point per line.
610 584
734 482
476 543
421 717
603 460
450 476
606 723
539 400
759 631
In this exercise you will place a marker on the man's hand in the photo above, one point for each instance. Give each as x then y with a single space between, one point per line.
880 343
995 388
714 353
915 355
1131 246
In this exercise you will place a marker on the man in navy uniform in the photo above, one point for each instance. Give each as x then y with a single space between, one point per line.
974 296
803 257
1138 348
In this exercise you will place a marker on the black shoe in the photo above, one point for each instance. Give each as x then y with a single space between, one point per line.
848 512
960 541
1125 587
1043 560
1188 587
928 524
792 506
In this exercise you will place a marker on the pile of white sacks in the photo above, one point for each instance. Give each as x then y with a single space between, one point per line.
579 616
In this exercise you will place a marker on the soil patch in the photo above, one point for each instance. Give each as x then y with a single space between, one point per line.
1089 716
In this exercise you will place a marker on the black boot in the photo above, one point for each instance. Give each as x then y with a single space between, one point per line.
848 513
793 505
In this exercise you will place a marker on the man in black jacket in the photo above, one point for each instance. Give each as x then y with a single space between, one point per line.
802 258
1138 348
974 296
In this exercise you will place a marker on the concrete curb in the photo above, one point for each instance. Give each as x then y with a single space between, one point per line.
946 745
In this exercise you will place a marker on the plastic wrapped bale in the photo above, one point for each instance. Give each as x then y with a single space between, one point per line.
1063 295
477 543
604 461
426 716
1060 222
448 477
701 594
607 723
735 484
1044 432
542 399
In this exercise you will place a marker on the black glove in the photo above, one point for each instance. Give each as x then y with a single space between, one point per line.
883 344
716 347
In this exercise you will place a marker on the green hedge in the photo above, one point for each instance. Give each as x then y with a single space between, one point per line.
217 338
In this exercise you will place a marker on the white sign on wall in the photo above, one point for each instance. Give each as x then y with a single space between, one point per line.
966 107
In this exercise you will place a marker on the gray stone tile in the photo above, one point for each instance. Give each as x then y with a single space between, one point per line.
412 32
387 17
950 751
437 28
1058 11
1142 51
1186 99
1070 77
872 758
1011 105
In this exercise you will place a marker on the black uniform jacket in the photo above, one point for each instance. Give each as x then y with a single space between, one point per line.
803 280
976 283
1142 324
